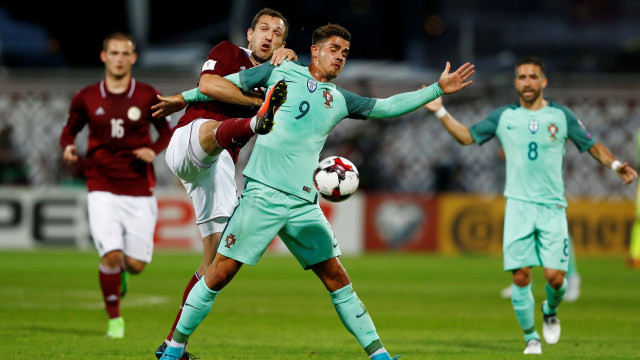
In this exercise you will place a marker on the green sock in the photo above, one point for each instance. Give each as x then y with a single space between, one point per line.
554 298
356 319
523 305
195 309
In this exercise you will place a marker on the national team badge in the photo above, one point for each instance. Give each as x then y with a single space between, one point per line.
533 126
230 240
134 113
312 85
553 130
328 98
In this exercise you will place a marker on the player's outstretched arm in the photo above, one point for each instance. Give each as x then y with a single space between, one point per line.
221 89
604 157
455 81
168 105
456 129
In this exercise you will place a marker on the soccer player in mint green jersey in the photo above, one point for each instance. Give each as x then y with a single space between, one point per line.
279 196
533 135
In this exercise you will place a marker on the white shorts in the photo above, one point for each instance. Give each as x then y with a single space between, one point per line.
120 222
209 180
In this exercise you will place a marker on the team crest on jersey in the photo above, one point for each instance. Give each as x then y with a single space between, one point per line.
312 85
230 240
328 98
134 113
553 130
533 126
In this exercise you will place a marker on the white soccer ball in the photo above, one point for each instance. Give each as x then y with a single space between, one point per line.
336 178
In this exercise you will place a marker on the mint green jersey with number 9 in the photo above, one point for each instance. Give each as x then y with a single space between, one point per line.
534 146
286 158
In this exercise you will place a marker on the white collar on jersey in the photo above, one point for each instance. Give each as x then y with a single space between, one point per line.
103 89
246 51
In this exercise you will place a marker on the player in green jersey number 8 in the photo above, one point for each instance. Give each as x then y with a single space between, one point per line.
533 134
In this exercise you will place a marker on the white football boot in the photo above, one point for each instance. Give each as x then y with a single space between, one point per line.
533 347
550 327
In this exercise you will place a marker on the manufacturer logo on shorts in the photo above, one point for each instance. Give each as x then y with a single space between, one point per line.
230 240
306 188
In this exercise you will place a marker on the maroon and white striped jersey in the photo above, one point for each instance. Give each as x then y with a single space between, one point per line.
118 124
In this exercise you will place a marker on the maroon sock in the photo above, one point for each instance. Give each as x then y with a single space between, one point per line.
110 285
234 133
194 279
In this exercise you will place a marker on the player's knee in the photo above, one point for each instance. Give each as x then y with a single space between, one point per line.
207 137
112 259
521 278
210 242
134 266
221 272
556 281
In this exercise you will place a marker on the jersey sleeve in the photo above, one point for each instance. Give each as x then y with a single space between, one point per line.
251 78
245 80
401 104
577 132
486 129
221 58
358 107
76 120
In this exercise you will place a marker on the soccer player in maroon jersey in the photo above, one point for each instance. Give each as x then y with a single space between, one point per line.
119 168
196 154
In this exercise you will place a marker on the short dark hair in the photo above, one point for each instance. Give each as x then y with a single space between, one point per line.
272 13
531 59
327 31
118 36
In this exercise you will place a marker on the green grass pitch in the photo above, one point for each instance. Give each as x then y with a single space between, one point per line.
424 307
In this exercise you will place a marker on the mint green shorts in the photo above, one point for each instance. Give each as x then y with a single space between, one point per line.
264 212
535 235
